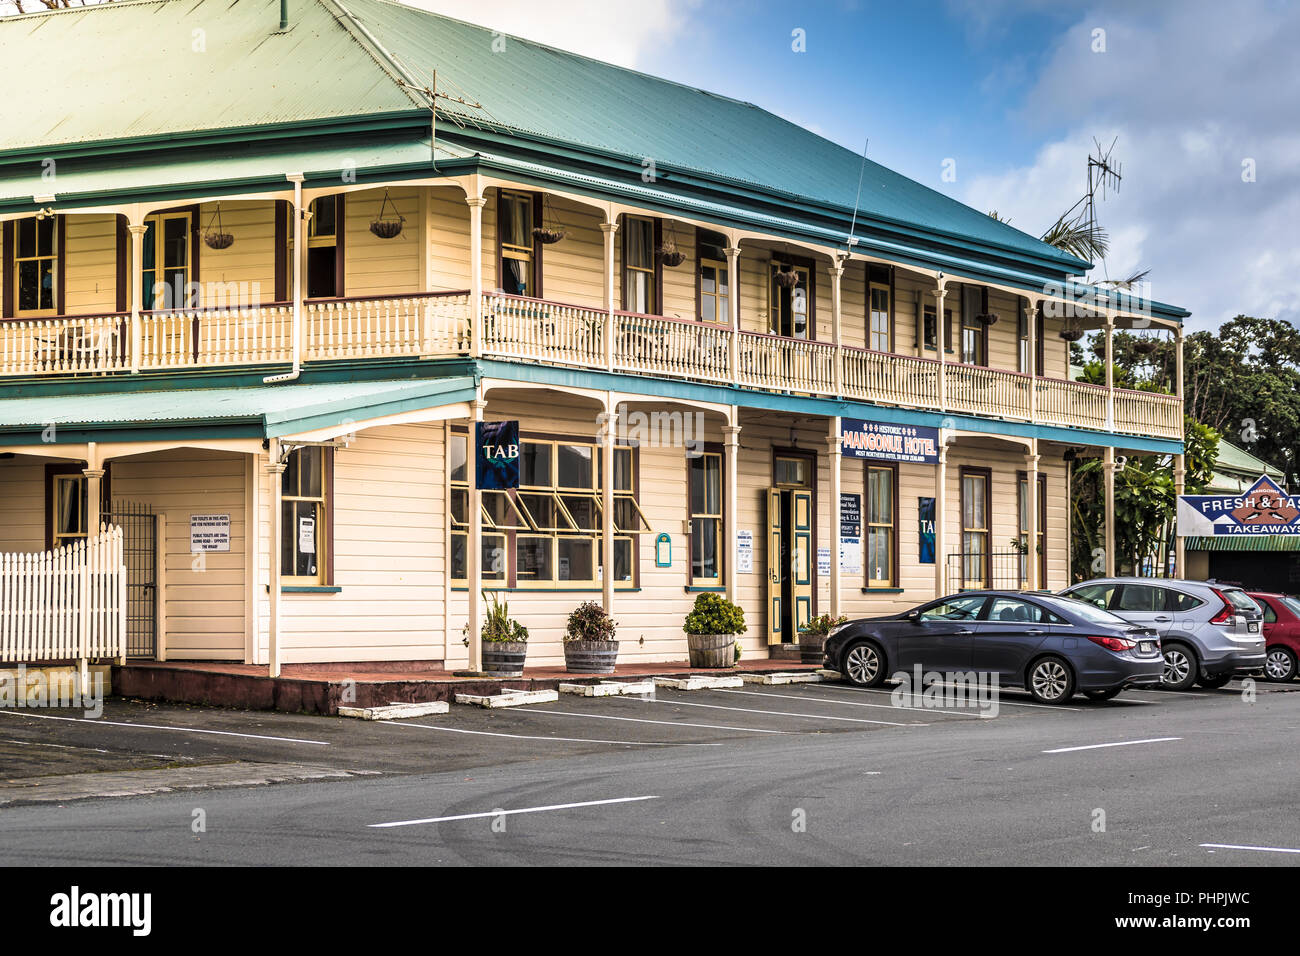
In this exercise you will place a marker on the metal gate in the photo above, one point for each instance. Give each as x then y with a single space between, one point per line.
139 527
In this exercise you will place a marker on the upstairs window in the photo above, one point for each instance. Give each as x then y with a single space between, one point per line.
640 275
518 265
713 279
323 277
166 262
35 266
974 333
930 333
791 305
881 331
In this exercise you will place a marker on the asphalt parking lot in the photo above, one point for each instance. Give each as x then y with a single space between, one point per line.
729 765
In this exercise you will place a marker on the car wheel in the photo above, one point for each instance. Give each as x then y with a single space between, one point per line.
1102 694
1180 667
1279 665
1214 683
864 664
1051 681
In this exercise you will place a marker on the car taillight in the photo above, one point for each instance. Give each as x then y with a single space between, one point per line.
1226 613
1116 644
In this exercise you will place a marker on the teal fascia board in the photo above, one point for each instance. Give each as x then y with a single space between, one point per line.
445 392
748 398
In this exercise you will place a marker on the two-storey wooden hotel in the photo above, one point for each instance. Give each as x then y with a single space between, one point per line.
264 269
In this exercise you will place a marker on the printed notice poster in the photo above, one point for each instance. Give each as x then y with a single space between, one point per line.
850 516
209 533
850 555
823 560
307 535
744 552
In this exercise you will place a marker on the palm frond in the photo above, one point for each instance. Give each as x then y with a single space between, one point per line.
1077 237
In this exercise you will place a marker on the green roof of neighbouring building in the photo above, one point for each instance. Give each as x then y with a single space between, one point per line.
1237 469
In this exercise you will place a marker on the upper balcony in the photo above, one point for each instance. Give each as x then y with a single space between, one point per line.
721 312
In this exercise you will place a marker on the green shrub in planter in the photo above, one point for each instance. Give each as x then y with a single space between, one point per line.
812 637
505 640
711 628
589 645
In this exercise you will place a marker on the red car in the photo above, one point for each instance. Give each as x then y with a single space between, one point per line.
1281 634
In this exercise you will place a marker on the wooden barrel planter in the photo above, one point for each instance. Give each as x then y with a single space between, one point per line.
711 650
504 658
811 648
590 657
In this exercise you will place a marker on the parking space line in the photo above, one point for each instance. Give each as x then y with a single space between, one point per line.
666 723
1260 849
847 703
1122 743
785 713
579 740
100 722
1002 701
507 813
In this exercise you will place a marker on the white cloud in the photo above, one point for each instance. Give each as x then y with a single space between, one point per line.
1191 90
627 34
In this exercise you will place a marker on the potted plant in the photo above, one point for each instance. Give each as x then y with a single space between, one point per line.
711 628
504 640
813 636
589 645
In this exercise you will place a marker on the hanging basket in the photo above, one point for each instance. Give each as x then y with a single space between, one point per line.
389 227
787 278
1144 346
548 237
671 257
1071 335
988 318
215 238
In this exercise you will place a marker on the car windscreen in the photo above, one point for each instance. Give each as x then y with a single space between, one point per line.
1090 612
1241 600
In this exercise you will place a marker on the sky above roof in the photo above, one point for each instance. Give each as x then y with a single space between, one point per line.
1007 98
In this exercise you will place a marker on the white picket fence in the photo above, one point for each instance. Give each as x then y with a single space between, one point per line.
66 604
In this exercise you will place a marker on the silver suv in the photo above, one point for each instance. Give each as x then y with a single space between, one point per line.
1209 633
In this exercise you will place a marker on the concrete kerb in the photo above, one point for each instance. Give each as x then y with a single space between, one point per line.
510 698
396 711
700 682
610 688
783 677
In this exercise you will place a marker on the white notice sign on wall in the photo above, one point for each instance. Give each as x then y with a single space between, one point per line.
209 533
744 552
307 535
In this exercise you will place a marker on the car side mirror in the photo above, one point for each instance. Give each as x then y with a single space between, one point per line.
914 617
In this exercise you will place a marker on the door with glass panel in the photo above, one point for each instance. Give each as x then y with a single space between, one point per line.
975 530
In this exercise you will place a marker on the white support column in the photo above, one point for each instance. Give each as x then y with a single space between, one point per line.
837 311
1031 327
834 455
1108 474
476 204
474 543
301 212
731 472
1110 373
733 310
608 422
94 488
1031 474
942 333
610 230
137 292
940 509
274 471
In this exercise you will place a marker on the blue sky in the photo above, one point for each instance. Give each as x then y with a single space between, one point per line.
1014 92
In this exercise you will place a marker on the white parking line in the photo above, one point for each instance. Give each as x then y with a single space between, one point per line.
1122 743
1002 701
507 813
100 722
666 723
848 703
1261 849
785 713
580 740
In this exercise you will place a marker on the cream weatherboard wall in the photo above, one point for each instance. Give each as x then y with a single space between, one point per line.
22 504
90 258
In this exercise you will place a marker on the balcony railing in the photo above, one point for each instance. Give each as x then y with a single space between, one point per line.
533 330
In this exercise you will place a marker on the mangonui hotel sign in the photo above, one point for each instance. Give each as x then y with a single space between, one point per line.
1264 508
884 441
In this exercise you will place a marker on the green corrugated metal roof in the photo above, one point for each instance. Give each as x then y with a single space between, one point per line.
1243 542
275 409
153 67
110 87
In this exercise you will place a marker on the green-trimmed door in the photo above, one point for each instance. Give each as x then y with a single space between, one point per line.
801 558
774 551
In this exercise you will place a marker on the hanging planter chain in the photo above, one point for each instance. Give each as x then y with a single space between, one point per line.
387 228
545 235
668 252
217 239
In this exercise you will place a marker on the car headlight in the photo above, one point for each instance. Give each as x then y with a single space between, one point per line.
835 630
